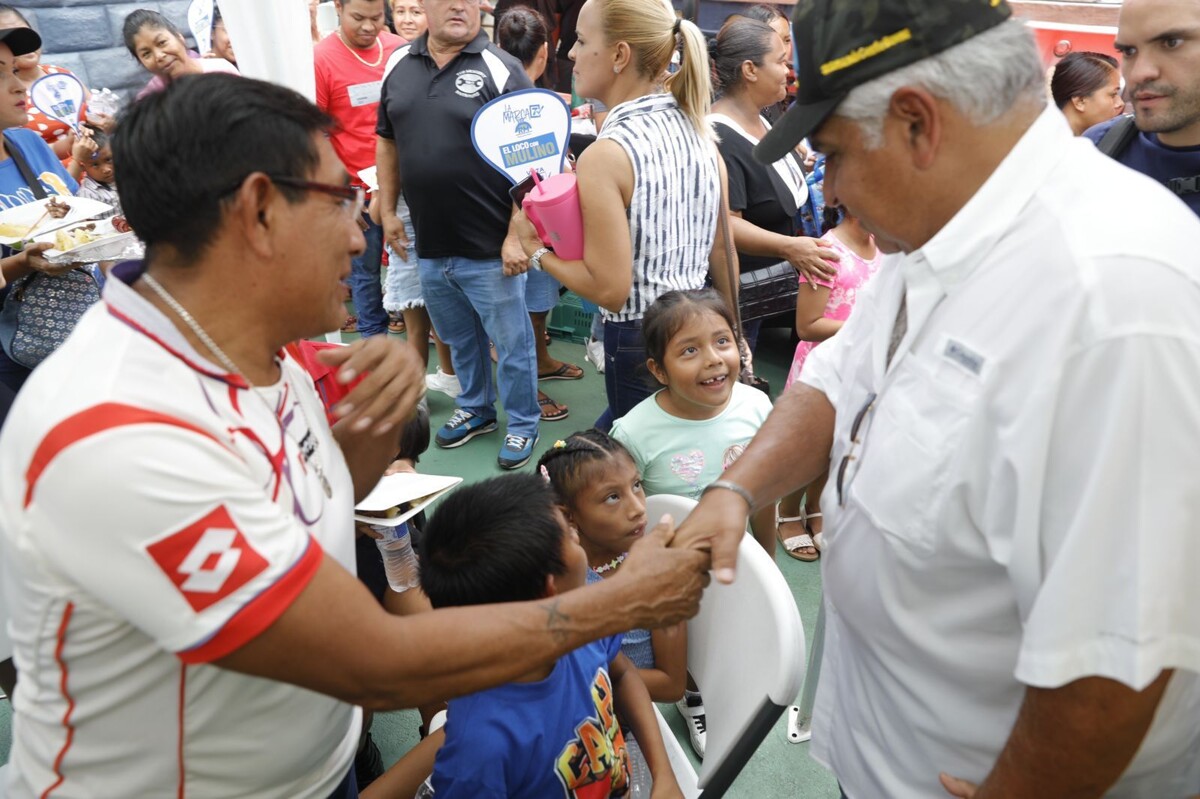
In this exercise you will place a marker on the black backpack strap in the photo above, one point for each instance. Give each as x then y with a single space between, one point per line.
1117 138
18 158
1182 186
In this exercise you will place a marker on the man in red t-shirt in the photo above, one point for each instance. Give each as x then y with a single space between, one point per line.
349 67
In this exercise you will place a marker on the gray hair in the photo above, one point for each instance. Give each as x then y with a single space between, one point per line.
983 78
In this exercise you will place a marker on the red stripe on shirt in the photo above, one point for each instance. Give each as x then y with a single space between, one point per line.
62 685
89 422
261 612
231 378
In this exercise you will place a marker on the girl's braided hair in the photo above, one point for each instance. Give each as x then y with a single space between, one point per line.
565 464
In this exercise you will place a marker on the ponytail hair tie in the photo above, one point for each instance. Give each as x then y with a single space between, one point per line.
559 444
675 27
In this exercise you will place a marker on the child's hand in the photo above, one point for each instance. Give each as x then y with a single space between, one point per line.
362 528
84 147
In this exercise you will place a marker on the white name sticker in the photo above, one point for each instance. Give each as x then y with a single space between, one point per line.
365 93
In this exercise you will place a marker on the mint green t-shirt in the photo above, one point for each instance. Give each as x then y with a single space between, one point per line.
681 456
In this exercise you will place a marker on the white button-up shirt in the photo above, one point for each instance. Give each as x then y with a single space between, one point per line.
1023 505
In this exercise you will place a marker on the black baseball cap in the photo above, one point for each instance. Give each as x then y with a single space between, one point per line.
21 41
842 44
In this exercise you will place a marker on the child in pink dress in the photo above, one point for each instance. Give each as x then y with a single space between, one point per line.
820 313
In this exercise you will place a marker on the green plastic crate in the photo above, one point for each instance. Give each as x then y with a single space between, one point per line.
570 320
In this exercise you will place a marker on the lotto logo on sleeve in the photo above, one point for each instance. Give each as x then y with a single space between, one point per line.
207 560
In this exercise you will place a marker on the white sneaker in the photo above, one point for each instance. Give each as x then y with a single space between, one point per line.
595 354
447 384
692 710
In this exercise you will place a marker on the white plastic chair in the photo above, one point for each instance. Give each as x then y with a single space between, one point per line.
746 652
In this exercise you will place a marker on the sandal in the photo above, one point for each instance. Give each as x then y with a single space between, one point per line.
567 371
350 325
551 410
395 322
818 538
793 545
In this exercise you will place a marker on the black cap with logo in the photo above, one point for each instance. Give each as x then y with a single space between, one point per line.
21 41
842 44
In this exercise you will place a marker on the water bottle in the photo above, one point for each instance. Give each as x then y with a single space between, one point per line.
640 781
399 560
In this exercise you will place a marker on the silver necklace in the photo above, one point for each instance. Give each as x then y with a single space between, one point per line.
378 44
311 457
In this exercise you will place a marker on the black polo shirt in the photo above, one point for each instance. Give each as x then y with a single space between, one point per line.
459 204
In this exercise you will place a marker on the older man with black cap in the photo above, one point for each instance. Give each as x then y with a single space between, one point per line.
1010 423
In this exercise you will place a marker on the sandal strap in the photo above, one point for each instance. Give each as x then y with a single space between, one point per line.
786 519
798 542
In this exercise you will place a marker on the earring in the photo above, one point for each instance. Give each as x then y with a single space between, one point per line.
616 70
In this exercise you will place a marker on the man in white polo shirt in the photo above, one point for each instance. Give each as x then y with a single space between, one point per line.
1009 421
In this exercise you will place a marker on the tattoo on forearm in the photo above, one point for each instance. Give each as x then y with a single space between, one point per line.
557 621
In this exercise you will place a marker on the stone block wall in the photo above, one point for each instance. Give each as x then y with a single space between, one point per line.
84 36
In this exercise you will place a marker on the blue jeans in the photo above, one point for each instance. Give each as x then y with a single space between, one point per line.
366 288
750 331
469 302
627 381
348 789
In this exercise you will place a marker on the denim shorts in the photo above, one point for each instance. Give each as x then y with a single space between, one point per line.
541 291
402 283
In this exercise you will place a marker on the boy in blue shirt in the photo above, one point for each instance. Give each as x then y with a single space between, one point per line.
556 731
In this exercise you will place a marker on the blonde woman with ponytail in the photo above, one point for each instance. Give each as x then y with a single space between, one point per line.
651 185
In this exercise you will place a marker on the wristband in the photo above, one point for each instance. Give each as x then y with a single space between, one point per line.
729 485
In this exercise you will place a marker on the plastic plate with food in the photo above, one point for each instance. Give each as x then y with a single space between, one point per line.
90 241
33 220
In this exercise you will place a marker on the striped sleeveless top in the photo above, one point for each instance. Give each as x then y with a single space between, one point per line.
676 196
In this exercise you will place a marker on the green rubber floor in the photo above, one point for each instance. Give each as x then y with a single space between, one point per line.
778 769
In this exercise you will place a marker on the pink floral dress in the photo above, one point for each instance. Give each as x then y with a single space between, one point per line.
853 272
